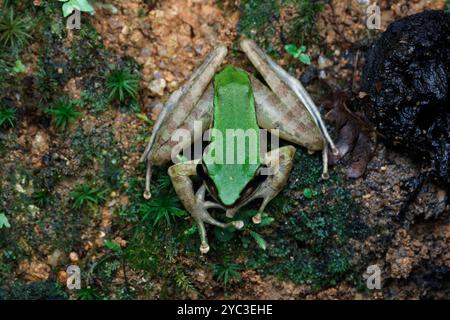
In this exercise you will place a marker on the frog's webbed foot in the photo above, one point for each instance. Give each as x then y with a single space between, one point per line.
279 163
195 203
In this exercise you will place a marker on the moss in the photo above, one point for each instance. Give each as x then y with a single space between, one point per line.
264 21
37 291
95 144
258 21
309 240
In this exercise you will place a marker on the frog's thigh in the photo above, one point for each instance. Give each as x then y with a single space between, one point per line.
290 91
272 114
279 163
182 102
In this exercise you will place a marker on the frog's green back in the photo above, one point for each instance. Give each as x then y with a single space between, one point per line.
234 108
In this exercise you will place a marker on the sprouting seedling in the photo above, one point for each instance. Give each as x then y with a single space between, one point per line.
162 209
226 271
14 30
298 53
7 116
4 223
122 84
81 5
19 67
63 113
87 194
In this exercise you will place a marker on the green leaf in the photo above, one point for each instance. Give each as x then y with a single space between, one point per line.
308 193
259 240
143 117
291 49
305 59
81 5
190 231
266 220
4 223
111 245
19 67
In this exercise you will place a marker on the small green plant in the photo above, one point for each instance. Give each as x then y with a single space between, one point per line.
182 281
162 208
41 198
87 194
298 53
4 223
63 113
9 3
122 84
14 31
226 271
88 294
259 240
7 116
81 5
113 246
19 67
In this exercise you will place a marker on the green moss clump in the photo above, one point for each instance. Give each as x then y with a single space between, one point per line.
258 21
37 291
262 20
308 240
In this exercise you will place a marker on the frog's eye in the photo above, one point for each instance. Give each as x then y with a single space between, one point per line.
202 173
253 184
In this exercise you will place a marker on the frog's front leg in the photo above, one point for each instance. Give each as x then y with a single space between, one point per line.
278 165
195 203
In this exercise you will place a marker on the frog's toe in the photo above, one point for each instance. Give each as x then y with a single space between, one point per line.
147 195
238 224
257 218
325 176
204 248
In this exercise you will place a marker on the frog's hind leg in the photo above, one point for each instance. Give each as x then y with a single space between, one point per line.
180 107
278 166
325 174
273 115
286 87
195 203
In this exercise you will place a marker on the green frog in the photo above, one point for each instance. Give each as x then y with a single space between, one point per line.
224 99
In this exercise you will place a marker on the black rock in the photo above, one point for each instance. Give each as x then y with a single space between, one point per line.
407 76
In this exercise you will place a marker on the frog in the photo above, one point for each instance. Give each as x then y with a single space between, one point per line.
226 97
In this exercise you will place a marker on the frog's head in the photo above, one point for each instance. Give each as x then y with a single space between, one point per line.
232 159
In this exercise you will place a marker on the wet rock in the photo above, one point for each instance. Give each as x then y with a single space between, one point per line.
55 258
34 270
73 256
137 37
40 143
157 86
407 77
